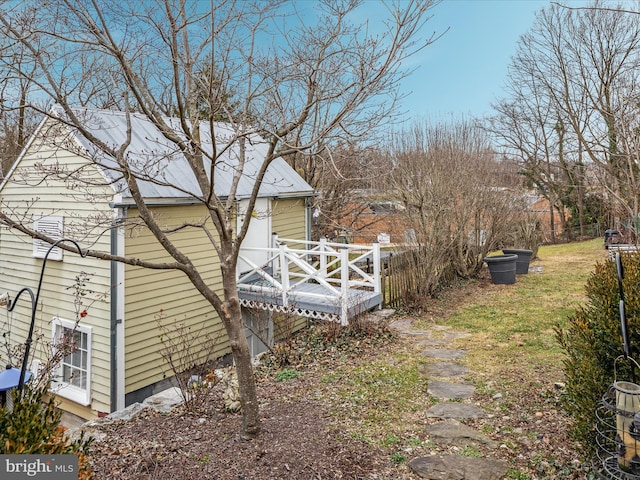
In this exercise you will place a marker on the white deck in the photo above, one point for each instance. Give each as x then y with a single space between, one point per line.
319 280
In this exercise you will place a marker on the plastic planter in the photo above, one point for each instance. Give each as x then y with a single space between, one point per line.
502 268
524 257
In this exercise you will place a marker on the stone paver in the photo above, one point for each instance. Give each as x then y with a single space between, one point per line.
450 391
444 354
455 335
440 328
416 333
432 342
383 313
455 467
448 430
452 432
454 410
443 369
401 324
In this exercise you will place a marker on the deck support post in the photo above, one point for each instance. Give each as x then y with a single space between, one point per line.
377 287
284 271
344 286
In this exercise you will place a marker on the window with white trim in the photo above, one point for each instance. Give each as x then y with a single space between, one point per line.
52 227
73 379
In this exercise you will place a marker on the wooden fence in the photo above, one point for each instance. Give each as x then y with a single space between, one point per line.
407 276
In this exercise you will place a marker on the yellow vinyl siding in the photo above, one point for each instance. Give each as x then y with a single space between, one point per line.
27 194
166 296
289 218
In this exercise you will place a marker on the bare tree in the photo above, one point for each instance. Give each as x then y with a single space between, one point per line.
581 67
446 176
313 82
601 66
527 129
346 178
17 121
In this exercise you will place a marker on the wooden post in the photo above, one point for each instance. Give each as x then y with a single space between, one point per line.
323 256
284 269
344 285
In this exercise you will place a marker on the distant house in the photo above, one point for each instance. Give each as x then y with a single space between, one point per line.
373 219
542 209
123 307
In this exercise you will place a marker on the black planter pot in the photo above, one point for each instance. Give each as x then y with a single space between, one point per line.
502 268
524 257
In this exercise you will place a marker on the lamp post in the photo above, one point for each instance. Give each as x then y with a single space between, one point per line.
34 304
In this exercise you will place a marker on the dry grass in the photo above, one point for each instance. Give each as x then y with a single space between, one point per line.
362 396
513 325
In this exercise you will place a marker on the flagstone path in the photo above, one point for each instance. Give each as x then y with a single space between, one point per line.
448 382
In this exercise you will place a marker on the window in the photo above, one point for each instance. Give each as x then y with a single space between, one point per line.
73 379
51 226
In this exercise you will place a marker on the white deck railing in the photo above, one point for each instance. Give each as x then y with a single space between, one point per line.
622 248
335 266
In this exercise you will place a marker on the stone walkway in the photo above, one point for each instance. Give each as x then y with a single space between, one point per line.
446 382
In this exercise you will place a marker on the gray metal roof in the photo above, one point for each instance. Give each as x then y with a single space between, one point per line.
163 169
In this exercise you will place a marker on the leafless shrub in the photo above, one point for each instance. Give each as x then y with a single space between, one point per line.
457 205
189 353
284 326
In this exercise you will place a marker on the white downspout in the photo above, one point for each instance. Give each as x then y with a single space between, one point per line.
117 313
120 330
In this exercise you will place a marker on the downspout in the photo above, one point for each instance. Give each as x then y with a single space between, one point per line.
117 313
308 218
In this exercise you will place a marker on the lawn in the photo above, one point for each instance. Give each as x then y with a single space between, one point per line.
512 351
514 324
353 403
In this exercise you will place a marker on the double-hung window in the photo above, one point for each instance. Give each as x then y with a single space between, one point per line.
73 379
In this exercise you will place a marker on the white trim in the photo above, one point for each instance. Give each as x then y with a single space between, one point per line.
65 389
258 234
24 151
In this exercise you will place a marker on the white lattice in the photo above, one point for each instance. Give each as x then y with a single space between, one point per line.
303 312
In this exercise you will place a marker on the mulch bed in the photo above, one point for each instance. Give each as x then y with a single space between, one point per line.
296 442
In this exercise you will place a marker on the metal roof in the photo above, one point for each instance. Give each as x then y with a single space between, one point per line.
163 171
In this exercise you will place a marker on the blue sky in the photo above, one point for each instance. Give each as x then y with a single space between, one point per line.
464 71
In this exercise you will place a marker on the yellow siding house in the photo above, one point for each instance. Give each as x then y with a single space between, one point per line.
116 313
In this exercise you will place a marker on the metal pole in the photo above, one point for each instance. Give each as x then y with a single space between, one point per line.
34 305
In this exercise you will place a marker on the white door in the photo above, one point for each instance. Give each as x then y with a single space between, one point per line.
258 235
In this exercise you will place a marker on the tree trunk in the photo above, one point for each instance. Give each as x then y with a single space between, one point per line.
552 222
232 319
581 208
